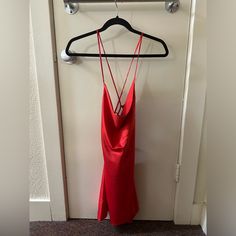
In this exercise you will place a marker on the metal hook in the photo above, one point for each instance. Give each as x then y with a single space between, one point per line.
117 9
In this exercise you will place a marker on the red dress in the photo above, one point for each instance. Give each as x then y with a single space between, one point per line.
117 193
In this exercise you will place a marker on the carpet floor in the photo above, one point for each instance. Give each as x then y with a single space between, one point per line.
86 227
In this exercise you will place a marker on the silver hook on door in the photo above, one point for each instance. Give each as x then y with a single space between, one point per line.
71 7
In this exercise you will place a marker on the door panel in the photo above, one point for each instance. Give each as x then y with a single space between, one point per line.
159 93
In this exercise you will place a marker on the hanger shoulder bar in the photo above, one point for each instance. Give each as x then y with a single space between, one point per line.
116 55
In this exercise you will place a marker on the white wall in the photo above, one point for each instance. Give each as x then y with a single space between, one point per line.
38 171
14 128
221 116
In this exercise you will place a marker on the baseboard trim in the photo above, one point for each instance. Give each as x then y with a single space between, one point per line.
40 210
204 219
199 216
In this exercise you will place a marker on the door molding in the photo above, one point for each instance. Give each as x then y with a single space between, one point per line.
193 113
46 66
40 210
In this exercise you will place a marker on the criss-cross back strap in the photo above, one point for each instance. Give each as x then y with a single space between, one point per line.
138 47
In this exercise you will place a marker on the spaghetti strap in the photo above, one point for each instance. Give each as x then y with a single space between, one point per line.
136 51
113 81
138 47
99 48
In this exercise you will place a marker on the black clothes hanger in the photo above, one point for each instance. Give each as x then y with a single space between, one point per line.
116 21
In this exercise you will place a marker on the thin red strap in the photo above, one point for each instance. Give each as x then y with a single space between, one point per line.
138 47
100 57
136 68
112 77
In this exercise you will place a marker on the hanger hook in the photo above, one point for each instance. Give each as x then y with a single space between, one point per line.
117 9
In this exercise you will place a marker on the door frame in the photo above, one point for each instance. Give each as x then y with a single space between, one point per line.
192 116
44 41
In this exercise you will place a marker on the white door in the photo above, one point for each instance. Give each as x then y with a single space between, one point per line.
159 86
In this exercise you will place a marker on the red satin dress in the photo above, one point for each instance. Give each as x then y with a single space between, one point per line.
117 192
